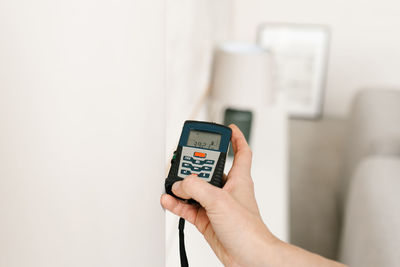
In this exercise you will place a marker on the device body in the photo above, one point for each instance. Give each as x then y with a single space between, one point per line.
202 150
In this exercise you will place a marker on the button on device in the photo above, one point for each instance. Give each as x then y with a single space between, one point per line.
173 157
196 169
186 172
207 168
187 158
204 175
200 155
196 161
209 161
186 165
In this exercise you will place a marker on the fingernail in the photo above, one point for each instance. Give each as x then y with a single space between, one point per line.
175 186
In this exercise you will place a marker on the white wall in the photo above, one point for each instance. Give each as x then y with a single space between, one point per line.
193 29
365 40
81 133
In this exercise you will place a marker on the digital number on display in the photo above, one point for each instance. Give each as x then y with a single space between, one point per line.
204 140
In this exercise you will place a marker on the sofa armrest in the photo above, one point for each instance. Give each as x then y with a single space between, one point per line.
371 227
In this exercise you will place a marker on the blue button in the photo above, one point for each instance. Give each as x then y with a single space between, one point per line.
198 162
186 172
186 165
196 169
209 161
204 175
187 158
207 168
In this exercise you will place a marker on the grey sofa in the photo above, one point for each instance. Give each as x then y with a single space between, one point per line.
371 183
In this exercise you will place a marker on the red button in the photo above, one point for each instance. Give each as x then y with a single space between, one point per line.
199 155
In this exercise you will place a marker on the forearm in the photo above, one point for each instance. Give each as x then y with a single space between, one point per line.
281 254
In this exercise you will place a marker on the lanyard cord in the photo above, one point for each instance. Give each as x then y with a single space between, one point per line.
182 250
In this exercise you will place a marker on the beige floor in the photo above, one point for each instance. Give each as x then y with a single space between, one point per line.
315 165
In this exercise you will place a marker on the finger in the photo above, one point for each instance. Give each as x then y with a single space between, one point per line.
241 150
199 190
177 207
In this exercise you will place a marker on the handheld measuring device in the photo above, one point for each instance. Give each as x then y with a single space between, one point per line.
202 150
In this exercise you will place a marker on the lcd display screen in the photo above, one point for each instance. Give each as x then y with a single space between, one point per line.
204 140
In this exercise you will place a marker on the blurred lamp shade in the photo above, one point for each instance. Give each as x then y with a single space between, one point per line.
241 76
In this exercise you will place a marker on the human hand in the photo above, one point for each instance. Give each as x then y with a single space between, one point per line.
230 221
228 218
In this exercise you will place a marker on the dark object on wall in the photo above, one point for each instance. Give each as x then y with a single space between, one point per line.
242 119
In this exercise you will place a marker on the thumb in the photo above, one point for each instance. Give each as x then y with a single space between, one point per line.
198 189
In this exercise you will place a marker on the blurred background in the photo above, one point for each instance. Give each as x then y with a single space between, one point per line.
94 94
333 69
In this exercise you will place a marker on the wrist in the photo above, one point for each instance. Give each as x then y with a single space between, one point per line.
268 249
273 252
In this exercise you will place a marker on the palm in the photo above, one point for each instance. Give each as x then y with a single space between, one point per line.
202 222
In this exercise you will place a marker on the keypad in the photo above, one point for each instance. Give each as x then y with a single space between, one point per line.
197 166
199 162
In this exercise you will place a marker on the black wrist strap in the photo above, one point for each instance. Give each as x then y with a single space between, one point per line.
182 250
